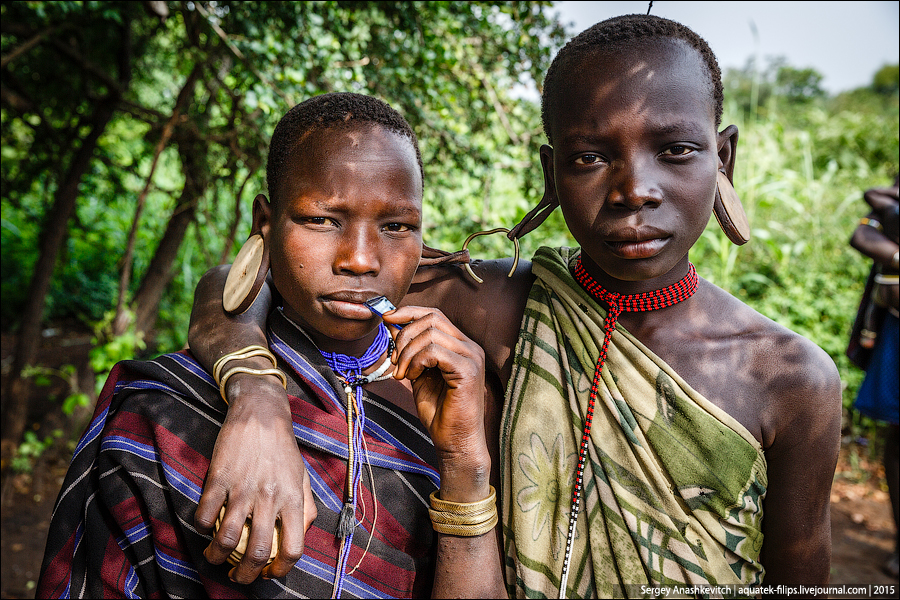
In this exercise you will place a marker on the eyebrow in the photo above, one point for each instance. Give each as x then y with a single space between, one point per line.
399 208
662 130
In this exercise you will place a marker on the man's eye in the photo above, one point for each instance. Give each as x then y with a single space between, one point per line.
588 159
397 227
677 151
319 221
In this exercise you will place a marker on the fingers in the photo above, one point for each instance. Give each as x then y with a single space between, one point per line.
257 547
211 501
227 534
258 468
429 340
294 524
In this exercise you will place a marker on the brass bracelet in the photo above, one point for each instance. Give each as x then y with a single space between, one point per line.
464 508
466 519
438 516
248 352
466 530
234 370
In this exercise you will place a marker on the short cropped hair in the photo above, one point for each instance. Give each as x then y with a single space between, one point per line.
619 34
339 110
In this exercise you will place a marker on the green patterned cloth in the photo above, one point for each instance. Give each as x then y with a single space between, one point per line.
673 486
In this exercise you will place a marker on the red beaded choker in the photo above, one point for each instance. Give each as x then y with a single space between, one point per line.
617 304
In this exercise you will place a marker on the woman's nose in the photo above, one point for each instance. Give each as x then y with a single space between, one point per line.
633 185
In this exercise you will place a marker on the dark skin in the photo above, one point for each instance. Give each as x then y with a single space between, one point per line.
347 227
633 165
881 247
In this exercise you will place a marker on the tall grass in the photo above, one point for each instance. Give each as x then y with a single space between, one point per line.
801 173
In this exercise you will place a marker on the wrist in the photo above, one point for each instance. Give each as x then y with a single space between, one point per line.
244 389
465 477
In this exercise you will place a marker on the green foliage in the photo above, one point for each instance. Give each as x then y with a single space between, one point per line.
447 66
43 377
108 349
804 158
887 80
31 449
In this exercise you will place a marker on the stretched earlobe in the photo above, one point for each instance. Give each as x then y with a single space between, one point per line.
247 274
730 212
548 203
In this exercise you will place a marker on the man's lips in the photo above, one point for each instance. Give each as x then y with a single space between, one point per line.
349 305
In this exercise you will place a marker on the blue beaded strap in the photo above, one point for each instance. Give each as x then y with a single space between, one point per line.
349 369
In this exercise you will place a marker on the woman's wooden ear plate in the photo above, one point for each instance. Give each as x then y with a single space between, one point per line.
730 212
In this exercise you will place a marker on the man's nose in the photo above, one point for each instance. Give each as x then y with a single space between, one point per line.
358 252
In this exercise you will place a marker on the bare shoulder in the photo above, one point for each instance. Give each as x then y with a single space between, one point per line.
489 312
793 382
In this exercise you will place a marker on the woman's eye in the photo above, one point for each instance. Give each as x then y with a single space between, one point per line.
397 227
677 151
588 159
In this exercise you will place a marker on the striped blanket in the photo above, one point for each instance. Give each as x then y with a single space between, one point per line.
673 486
123 522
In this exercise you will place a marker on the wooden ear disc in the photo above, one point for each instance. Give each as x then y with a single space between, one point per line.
246 277
730 212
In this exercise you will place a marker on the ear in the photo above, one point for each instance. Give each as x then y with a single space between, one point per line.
251 265
262 215
548 202
546 153
727 140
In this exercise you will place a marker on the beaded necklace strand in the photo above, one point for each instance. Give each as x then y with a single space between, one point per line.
349 370
617 304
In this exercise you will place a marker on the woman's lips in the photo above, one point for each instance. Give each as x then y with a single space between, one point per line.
637 249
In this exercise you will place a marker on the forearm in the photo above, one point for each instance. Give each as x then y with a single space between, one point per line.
468 566
213 333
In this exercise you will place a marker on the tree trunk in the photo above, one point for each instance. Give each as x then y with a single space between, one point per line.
123 318
15 396
159 272
14 402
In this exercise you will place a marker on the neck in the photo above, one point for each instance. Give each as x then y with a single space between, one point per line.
637 286
327 345
351 367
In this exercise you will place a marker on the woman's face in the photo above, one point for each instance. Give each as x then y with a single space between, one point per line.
346 226
634 161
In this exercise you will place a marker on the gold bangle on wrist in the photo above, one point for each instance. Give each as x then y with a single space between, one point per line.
230 372
465 519
248 352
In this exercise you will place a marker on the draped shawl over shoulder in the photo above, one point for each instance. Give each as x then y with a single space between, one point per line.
673 486
123 522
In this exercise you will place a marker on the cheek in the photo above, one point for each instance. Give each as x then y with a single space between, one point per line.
405 263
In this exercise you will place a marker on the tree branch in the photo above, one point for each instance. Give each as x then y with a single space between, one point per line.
234 49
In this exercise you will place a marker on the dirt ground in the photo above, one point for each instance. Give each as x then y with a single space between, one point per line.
861 522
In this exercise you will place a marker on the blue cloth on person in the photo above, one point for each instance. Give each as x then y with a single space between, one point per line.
879 395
